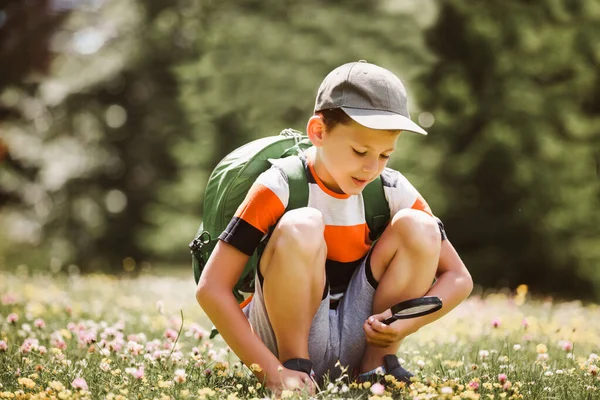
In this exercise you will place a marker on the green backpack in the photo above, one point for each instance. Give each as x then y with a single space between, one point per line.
234 175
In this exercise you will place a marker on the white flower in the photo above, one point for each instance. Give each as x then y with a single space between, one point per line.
180 376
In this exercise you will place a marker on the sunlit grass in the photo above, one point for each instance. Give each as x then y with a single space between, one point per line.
101 337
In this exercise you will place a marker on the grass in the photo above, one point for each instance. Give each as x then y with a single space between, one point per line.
101 337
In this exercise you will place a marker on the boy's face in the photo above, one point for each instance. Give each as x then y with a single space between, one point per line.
351 156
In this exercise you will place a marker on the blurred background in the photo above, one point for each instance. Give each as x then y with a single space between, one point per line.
114 112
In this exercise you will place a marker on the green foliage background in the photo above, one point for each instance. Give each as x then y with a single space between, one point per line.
109 133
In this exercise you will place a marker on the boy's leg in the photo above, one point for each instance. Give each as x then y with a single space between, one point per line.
404 262
293 268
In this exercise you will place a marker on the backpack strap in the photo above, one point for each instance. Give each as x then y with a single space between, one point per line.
377 209
293 168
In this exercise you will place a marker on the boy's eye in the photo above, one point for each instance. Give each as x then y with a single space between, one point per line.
358 153
385 156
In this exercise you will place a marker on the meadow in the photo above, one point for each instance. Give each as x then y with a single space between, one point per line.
97 336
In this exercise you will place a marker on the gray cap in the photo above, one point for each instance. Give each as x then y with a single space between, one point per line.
370 95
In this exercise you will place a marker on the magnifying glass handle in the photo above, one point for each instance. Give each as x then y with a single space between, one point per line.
389 320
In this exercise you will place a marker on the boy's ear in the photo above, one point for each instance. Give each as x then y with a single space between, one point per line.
315 130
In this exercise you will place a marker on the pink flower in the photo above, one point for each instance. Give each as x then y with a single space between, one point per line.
502 378
137 373
39 323
135 348
3 345
496 323
171 334
12 318
474 385
198 332
525 323
79 384
29 344
566 345
377 389
9 299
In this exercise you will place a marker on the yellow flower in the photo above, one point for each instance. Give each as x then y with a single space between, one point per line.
28 383
56 386
522 290
205 392
541 348
286 394
366 385
66 334
165 384
255 368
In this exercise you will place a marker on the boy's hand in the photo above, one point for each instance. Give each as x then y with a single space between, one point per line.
380 335
287 379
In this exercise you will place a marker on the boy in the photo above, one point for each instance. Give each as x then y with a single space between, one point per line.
322 287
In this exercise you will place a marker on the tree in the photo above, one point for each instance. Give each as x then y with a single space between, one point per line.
515 97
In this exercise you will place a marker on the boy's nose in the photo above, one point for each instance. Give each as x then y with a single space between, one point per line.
369 166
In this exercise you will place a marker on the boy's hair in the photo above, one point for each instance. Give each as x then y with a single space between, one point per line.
332 117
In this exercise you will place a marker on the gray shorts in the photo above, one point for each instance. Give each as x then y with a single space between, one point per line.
335 335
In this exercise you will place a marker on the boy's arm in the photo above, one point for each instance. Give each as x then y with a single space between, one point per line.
214 294
453 285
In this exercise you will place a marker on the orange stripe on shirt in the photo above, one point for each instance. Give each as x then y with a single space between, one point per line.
261 208
421 204
346 243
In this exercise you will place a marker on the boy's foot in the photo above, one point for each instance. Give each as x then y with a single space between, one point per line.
391 366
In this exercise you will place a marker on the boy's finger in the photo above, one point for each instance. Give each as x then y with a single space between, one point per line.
372 335
380 326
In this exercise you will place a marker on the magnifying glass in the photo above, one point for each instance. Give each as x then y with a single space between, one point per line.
414 308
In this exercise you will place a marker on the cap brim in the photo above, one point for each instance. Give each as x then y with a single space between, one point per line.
376 119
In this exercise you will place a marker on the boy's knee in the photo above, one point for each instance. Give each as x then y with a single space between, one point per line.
301 230
417 230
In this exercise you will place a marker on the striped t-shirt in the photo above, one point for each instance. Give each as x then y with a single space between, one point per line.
346 231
